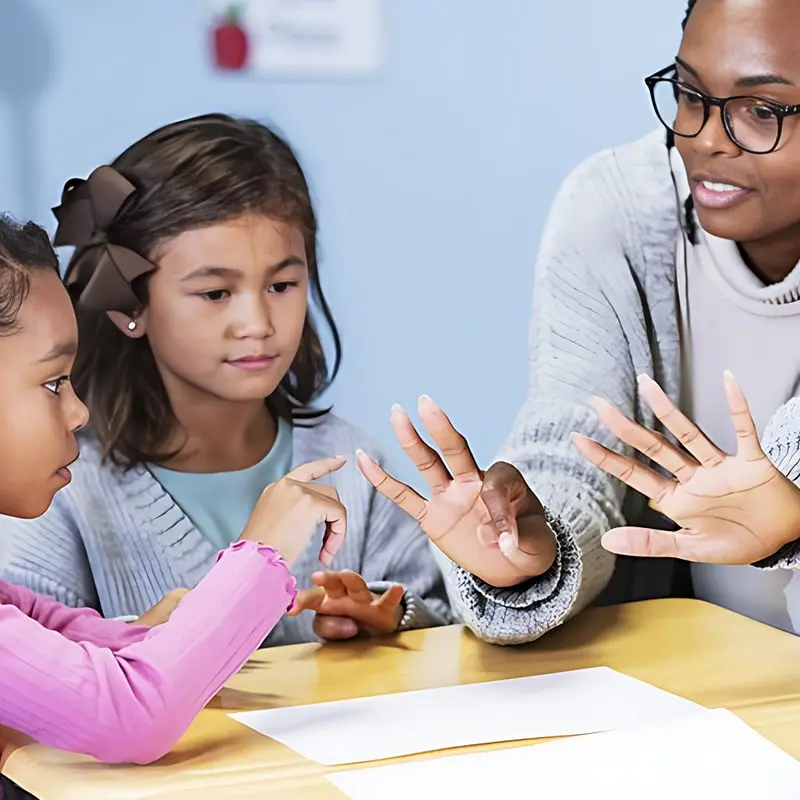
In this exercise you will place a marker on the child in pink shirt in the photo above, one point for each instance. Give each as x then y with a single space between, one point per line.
69 678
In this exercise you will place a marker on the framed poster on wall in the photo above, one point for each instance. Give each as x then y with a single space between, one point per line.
298 38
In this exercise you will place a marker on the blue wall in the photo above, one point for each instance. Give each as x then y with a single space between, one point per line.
432 180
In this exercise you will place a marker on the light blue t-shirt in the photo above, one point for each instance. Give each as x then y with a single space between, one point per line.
220 503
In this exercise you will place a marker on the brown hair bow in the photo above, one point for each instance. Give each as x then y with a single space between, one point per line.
100 274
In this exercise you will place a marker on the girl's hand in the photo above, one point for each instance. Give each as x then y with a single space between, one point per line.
344 606
288 512
162 610
732 509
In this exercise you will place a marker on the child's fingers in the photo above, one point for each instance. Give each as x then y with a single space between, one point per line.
332 583
392 597
335 519
307 600
317 469
318 578
334 628
356 587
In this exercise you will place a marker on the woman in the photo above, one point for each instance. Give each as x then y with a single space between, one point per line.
674 257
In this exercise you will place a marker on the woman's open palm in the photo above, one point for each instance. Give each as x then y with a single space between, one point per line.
732 509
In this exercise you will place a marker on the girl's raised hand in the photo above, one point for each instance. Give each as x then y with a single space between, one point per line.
288 512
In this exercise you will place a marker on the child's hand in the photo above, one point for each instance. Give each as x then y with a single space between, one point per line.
162 610
288 512
345 606
731 509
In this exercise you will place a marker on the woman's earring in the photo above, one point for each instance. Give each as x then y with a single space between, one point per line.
132 325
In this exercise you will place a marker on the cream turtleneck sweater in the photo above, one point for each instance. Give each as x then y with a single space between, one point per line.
731 320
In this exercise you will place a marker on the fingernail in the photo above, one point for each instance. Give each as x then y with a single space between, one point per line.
397 408
424 398
729 375
506 544
643 378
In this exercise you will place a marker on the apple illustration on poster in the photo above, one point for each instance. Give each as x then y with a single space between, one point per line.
230 40
299 38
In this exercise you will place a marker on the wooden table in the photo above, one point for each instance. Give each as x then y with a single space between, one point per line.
694 649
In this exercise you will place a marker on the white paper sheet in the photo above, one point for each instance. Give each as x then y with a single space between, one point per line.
710 755
387 726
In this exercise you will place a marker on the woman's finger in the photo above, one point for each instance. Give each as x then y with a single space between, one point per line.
678 424
651 445
653 543
453 444
427 461
747 444
631 472
401 495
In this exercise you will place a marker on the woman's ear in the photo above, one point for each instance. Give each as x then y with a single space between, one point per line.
134 327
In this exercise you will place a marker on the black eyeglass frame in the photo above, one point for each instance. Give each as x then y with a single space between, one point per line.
663 76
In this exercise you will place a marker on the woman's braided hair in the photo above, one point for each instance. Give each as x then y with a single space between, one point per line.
688 208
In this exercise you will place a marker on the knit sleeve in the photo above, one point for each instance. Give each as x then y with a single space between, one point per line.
47 555
578 348
781 443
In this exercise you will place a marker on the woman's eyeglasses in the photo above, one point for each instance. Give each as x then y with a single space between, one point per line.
753 124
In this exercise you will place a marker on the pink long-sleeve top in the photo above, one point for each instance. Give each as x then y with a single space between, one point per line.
124 693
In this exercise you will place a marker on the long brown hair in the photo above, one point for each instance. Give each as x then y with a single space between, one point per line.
188 175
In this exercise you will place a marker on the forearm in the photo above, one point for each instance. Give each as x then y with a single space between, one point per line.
134 704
